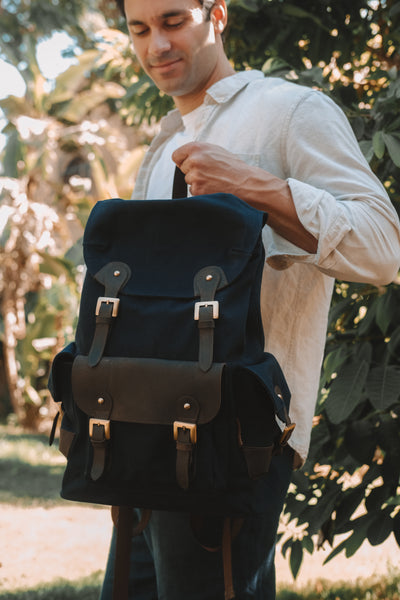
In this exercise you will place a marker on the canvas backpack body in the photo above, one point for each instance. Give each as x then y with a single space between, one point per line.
168 398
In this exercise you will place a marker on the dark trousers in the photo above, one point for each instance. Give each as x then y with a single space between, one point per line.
168 563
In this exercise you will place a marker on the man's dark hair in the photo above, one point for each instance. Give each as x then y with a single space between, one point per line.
206 4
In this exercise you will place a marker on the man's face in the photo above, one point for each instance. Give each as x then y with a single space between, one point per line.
174 43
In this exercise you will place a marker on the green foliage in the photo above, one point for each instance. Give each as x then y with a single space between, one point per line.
87 588
350 482
349 50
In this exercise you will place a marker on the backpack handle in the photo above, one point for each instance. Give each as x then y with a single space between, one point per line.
179 188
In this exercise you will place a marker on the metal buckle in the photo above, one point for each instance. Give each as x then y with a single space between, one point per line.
213 303
104 422
182 425
107 300
286 433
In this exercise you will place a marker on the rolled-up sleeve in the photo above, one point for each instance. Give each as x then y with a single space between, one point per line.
337 198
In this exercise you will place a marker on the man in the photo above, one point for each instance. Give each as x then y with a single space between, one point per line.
288 151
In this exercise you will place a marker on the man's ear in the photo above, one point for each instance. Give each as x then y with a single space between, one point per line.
219 16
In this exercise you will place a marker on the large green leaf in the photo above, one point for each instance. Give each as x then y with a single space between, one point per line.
349 501
394 343
376 498
381 527
396 528
296 557
387 310
346 391
393 145
319 513
334 360
383 386
378 144
355 540
361 440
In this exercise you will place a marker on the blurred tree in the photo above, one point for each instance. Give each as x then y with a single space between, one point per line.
350 482
66 148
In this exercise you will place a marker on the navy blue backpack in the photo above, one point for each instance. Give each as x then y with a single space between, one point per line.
167 397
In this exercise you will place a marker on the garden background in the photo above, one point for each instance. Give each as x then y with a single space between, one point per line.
80 137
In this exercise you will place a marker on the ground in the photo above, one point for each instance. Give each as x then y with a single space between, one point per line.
71 541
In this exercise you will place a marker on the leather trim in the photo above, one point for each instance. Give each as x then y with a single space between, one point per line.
258 459
113 277
65 442
144 390
206 282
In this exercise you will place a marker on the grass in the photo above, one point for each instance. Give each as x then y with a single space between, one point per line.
30 470
30 475
387 589
83 589
89 589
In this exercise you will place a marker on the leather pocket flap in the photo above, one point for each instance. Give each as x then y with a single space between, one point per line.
152 391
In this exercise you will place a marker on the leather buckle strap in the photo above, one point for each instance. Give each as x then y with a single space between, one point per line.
113 276
107 300
190 426
286 434
104 423
213 303
99 434
206 283
185 435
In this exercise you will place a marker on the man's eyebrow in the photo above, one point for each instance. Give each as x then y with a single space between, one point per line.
166 15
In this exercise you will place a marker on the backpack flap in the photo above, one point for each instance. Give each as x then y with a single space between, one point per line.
146 391
166 244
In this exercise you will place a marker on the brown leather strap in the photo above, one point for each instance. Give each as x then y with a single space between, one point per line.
184 453
206 282
99 443
123 519
206 327
207 530
122 553
227 558
258 459
104 319
99 434
113 276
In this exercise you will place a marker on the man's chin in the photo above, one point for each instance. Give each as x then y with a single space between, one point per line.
169 88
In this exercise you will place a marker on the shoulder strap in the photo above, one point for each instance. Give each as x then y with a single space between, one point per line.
179 189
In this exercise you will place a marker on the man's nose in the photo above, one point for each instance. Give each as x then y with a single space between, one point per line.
159 43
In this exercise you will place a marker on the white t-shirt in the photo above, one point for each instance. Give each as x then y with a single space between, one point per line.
161 179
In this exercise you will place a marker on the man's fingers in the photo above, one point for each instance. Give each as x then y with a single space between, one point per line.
180 154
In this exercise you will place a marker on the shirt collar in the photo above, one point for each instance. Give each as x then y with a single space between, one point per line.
222 91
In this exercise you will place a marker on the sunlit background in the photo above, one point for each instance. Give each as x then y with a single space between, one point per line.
77 115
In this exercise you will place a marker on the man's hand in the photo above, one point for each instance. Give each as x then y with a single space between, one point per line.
210 169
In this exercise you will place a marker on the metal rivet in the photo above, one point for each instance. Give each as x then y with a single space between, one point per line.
209 277
187 406
117 273
100 400
278 392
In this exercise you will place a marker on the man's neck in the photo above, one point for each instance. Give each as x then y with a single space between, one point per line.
187 103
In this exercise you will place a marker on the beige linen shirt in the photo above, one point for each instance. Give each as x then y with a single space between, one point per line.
300 135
